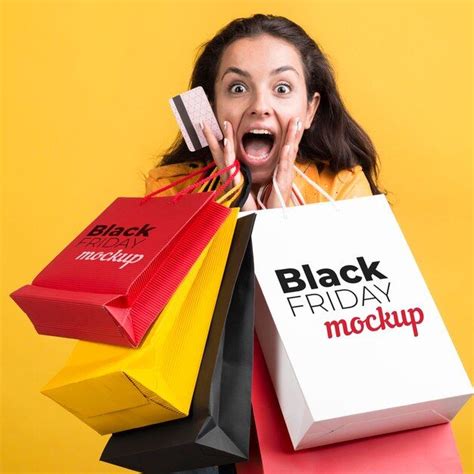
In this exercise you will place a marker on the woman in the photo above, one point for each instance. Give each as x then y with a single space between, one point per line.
276 100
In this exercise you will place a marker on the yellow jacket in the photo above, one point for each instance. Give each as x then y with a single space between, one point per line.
344 185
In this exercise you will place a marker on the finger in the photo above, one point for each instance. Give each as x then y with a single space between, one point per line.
297 139
284 173
223 155
285 161
290 148
229 149
215 147
291 131
294 134
299 134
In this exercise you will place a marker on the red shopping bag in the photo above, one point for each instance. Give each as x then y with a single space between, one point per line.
424 450
110 283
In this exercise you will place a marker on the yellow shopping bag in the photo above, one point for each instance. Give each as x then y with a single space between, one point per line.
114 388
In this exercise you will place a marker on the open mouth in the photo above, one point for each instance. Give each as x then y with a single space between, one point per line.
258 143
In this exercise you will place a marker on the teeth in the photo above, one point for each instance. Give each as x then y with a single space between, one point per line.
260 131
260 157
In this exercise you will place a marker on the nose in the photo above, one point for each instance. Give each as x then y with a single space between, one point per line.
261 105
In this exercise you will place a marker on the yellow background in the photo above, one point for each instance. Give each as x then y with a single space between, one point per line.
86 85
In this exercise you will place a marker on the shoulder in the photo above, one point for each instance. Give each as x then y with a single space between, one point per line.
164 175
345 184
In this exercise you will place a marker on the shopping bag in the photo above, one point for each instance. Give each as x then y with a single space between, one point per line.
430 450
112 281
114 388
352 338
218 426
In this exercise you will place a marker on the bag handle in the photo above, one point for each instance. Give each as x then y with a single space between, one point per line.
314 185
296 196
295 192
227 198
221 188
205 179
178 181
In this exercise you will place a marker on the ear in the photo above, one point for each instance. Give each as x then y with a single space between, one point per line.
311 110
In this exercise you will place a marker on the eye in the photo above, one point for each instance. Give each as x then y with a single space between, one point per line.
283 88
237 88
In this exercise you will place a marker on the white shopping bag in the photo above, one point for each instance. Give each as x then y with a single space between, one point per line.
352 338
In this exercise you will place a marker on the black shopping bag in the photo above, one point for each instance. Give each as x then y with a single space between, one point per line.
217 430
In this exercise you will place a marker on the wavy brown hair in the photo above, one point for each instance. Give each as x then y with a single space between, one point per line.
334 139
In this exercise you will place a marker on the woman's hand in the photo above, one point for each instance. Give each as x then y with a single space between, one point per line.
284 172
224 155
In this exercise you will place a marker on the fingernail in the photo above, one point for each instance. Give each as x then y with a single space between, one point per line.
201 124
225 124
298 125
225 142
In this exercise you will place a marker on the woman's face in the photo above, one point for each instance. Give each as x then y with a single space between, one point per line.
259 88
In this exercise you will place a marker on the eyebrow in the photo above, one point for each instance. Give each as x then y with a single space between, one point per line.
241 72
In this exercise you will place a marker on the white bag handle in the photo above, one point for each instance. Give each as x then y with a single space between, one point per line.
259 196
296 196
314 185
295 192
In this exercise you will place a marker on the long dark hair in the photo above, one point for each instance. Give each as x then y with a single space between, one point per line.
334 138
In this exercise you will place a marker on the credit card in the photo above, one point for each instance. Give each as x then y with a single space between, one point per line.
190 108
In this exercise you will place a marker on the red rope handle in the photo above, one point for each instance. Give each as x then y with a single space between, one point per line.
223 187
182 180
195 185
